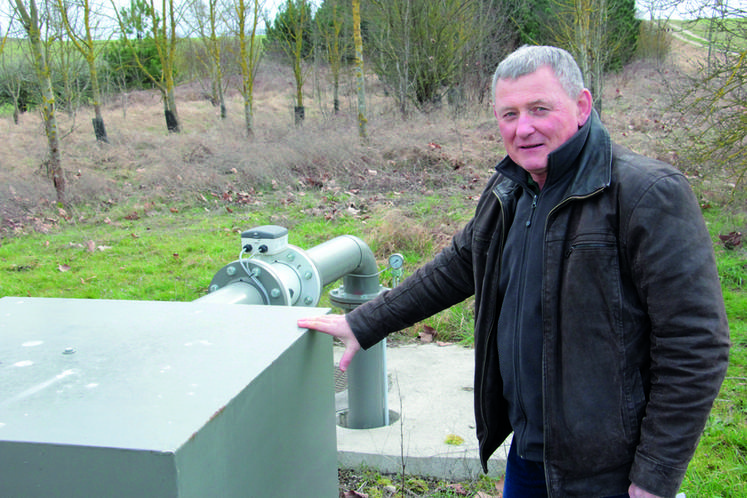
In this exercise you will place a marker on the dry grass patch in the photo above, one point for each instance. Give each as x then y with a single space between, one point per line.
442 153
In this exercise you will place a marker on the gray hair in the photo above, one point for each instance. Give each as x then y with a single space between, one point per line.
528 59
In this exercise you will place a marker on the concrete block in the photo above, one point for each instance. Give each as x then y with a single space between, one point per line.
163 399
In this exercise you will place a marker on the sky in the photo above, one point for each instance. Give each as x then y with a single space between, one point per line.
686 9
677 9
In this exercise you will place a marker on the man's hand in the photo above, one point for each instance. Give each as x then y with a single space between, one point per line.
336 326
636 492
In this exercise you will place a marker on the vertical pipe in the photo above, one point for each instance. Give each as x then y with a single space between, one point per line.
350 258
368 389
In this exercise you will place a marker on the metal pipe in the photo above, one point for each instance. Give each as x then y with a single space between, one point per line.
368 389
342 256
235 293
280 274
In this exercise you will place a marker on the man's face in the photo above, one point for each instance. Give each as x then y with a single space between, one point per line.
536 116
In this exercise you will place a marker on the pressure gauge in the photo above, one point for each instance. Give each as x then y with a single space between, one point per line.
396 261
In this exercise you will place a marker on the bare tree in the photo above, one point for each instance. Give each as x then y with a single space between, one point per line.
712 125
654 41
594 31
80 25
209 24
495 37
250 51
291 30
163 30
420 46
333 26
359 74
32 21
16 76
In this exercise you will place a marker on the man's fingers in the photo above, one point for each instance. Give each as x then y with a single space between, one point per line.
347 356
336 326
322 324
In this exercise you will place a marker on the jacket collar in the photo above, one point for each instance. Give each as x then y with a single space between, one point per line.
587 155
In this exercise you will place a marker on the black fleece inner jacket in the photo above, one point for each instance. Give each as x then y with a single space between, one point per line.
520 320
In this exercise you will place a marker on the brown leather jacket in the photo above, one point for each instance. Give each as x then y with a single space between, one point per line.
635 335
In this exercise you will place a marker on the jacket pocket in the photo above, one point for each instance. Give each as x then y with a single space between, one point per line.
587 408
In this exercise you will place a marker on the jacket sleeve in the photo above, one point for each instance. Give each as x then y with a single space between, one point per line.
671 258
439 284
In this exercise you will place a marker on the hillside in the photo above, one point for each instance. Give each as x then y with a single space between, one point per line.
212 163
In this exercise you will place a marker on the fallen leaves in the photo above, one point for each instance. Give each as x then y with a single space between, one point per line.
427 334
732 240
89 246
353 494
458 489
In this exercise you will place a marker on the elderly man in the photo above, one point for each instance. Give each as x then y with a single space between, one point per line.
600 332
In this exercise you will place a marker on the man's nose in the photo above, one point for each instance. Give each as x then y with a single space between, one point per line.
524 125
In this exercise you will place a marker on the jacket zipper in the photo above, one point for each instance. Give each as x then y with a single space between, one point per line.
517 344
584 245
490 332
544 359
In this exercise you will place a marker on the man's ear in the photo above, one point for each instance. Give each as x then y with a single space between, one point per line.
584 103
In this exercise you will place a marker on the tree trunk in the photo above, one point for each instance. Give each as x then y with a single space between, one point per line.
30 20
221 99
54 164
169 110
359 69
336 96
299 109
249 115
99 129
299 113
98 121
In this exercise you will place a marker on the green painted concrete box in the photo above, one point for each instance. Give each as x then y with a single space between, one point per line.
162 399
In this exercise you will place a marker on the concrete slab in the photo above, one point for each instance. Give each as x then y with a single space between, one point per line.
431 391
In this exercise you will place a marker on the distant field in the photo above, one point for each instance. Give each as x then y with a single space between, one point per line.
725 33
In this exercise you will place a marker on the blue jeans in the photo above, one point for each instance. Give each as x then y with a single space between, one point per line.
526 479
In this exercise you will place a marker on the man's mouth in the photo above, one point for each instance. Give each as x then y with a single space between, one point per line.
530 146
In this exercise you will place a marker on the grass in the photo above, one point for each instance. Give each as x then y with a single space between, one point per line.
726 33
170 256
719 468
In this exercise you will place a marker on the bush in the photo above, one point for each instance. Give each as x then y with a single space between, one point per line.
654 43
122 59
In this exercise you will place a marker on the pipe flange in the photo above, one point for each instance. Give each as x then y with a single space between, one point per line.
308 275
259 275
347 301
